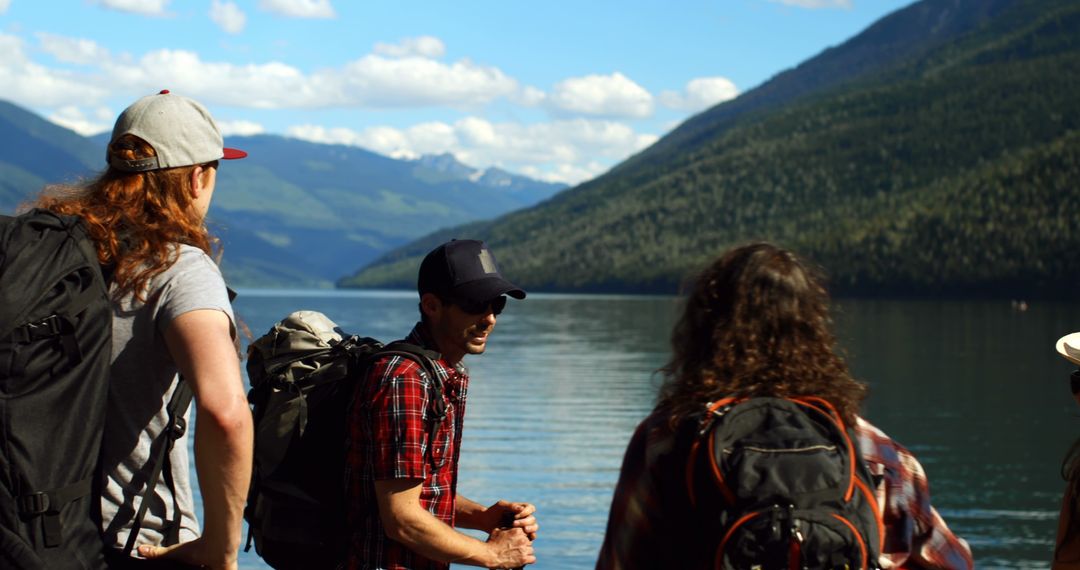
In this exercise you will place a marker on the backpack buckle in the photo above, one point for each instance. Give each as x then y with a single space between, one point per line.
178 428
712 416
45 328
33 504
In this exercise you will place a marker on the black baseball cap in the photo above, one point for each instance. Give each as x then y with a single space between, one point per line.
464 270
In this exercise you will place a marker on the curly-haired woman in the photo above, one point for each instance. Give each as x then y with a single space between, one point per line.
756 323
171 314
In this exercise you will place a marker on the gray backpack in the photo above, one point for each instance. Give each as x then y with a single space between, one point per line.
303 375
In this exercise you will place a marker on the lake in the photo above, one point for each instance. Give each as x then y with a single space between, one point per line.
974 389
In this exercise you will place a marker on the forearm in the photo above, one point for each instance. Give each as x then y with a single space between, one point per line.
470 514
223 464
421 532
200 343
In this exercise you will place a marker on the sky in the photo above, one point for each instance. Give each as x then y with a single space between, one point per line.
553 89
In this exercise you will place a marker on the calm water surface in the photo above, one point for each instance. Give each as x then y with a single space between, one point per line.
975 389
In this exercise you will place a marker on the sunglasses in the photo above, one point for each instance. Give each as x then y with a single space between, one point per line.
494 306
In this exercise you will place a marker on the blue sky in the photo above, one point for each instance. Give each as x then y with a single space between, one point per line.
553 89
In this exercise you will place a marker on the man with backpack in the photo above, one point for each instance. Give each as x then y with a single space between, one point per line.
755 455
405 433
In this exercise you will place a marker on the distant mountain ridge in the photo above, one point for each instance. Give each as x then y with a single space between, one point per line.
293 213
447 165
34 152
937 152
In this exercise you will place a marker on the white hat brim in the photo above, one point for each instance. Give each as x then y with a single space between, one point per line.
1068 346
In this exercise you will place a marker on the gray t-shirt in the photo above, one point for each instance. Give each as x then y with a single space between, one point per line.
143 378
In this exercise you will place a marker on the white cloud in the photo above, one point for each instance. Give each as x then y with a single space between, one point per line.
563 151
815 4
529 97
265 86
372 81
700 93
423 46
240 128
72 117
4 5
411 81
425 138
33 85
612 95
73 50
228 16
144 7
299 8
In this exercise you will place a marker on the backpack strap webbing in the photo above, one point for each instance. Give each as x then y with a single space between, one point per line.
47 505
426 359
176 427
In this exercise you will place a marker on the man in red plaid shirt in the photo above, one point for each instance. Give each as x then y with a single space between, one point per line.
405 433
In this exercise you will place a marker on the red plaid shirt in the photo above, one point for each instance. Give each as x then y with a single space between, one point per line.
390 438
651 506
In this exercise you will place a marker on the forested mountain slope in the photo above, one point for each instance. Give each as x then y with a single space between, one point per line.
951 168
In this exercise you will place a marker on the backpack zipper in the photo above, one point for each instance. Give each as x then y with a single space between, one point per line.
794 532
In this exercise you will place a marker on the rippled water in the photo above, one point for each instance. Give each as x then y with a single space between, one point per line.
973 388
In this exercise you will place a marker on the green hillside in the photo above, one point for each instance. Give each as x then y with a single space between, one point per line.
953 169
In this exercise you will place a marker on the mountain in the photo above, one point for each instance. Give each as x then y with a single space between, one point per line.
446 167
293 212
299 209
34 152
937 152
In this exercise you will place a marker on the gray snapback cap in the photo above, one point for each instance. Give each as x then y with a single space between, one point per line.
181 131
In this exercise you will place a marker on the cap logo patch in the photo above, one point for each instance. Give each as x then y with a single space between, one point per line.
487 261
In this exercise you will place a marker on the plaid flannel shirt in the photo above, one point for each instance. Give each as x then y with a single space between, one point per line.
651 506
915 534
390 431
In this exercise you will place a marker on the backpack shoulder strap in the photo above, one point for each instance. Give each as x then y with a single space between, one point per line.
176 427
426 359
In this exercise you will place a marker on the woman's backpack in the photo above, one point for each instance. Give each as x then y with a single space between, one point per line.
303 373
55 348
786 485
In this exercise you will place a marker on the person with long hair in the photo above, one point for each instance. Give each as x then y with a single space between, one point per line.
171 314
756 324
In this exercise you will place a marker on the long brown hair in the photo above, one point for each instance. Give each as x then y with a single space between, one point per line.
756 323
136 219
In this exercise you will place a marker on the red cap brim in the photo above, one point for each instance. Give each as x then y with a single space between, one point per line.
233 153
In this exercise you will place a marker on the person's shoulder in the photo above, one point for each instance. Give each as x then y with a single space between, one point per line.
192 282
657 432
876 446
191 257
191 265
396 365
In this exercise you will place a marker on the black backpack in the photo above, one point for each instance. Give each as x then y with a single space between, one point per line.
786 485
55 348
303 374
55 351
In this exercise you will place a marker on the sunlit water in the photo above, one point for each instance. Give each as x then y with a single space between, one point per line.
975 389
